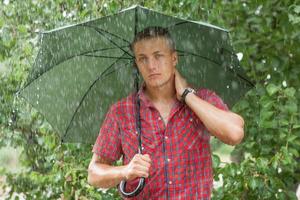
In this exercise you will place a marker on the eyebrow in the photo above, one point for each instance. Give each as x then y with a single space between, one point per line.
155 52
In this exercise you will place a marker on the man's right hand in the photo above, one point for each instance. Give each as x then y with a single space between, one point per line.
138 167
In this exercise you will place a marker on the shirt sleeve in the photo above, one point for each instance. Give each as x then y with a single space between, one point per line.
212 98
108 143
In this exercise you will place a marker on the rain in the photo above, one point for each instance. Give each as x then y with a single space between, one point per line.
80 63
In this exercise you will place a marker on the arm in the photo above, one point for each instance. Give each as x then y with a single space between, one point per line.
102 174
225 125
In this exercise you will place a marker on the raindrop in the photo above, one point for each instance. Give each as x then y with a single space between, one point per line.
37 102
64 13
239 56
279 170
275 68
284 83
234 85
279 190
227 86
257 12
6 2
37 88
105 5
84 5
269 76
263 61
244 4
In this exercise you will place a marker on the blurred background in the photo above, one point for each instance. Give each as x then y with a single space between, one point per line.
266 38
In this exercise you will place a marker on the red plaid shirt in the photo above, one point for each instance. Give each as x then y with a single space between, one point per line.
180 151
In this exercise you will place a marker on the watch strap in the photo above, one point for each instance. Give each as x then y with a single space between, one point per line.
186 92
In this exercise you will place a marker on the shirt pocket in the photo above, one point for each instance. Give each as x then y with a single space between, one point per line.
130 142
189 134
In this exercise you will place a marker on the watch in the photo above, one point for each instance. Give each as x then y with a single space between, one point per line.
185 92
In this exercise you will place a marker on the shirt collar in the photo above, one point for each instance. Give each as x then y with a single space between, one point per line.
142 96
145 100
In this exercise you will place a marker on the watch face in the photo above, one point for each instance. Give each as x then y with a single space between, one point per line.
191 90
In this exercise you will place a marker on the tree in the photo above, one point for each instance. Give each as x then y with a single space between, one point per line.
265 33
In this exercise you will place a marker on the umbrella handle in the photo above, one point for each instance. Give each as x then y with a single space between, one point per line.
135 192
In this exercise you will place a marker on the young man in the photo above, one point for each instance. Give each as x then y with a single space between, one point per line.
176 122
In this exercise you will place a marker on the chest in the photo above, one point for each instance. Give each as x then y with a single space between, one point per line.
182 131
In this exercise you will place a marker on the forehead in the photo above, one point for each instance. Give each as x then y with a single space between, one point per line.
150 45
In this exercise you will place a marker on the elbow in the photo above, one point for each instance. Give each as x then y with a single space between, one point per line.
237 136
237 133
90 179
95 180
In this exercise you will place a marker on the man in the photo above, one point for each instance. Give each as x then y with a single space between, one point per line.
176 122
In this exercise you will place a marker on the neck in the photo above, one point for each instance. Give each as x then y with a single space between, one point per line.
163 94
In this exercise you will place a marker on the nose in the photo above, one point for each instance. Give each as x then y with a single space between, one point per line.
152 64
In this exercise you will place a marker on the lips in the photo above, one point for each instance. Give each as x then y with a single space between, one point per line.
153 75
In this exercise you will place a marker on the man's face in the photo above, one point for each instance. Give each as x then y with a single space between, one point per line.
155 61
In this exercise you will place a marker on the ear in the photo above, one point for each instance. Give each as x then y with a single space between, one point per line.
174 58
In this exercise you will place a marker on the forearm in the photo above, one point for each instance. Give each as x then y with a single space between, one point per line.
226 126
105 176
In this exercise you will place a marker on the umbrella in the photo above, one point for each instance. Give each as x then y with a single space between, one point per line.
80 70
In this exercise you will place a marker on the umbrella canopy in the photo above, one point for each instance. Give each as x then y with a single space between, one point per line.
80 70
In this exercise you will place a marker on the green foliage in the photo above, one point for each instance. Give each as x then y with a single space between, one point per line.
266 32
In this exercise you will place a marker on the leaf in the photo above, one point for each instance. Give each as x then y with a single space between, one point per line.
291 107
292 138
296 126
265 115
216 161
252 183
290 92
272 89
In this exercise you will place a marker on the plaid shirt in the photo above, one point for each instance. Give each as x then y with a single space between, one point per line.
180 151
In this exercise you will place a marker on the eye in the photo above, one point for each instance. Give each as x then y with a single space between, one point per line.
157 56
141 60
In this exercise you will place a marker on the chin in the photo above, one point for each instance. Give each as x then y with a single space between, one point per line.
156 84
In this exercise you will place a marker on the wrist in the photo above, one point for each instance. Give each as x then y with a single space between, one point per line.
123 173
187 91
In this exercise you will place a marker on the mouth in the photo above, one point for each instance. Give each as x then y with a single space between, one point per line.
153 75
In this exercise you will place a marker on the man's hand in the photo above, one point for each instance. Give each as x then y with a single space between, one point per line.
138 167
180 84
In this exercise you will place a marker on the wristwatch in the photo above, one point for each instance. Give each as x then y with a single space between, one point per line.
185 92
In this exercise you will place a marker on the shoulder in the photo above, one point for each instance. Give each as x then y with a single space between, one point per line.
205 93
211 97
123 105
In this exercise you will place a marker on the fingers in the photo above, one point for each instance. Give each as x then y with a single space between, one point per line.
139 166
145 158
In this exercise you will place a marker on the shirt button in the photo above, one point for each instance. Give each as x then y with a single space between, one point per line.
170 182
169 159
166 137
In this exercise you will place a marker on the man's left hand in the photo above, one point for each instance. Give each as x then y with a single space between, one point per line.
180 84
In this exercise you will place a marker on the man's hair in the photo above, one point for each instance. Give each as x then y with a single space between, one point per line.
154 32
